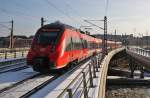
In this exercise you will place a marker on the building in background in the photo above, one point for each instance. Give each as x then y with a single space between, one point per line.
18 41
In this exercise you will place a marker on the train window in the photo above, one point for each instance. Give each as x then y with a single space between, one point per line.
68 44
74 40
79 43
46 37
76 43
84 43
73 43
88 45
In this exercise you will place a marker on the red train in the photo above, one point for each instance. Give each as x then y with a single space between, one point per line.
57 46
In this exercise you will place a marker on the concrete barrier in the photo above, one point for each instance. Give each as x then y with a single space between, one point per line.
104 68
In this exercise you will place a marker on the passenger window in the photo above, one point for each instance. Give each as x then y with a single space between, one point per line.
68 44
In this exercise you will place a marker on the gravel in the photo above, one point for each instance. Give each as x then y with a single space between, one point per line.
128 92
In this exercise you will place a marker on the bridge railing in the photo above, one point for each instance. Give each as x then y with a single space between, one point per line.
13 53
81 84
140 51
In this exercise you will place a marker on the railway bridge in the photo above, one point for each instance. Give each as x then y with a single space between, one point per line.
139 59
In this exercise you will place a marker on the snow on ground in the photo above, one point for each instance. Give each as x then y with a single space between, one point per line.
25 87
93 93
10 59
9 78
115 77
56 87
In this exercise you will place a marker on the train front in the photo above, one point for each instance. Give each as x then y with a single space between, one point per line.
44 50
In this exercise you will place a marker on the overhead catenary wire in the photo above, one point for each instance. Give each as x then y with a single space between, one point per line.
4 22
74 11
61 11
18 14
64 2
71 8
5 26
16 4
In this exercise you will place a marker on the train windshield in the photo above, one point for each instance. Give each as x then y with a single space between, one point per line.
46 37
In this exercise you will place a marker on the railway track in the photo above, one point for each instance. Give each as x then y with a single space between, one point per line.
27 87
33 84
13 67
36 89
68 76
14 85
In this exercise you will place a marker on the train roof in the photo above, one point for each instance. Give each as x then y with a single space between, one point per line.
62 26
58 24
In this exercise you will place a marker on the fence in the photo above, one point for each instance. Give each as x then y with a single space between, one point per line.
141 51
13 53
81 84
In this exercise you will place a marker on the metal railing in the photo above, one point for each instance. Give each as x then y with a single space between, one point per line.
13 53
140 51
81 84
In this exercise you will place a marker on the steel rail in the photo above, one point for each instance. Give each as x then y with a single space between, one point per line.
36 89
15 69
18 83
9 65
11 61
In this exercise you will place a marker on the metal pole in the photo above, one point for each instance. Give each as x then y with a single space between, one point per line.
5 54
105 37
99 61
147 39
15 54
85 86
96 64
90 76
70 93
42 22
22 53
125 40
142 72
94 72
11 34
115 39
141 40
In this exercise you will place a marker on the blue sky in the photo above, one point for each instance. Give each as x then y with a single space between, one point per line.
127 16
